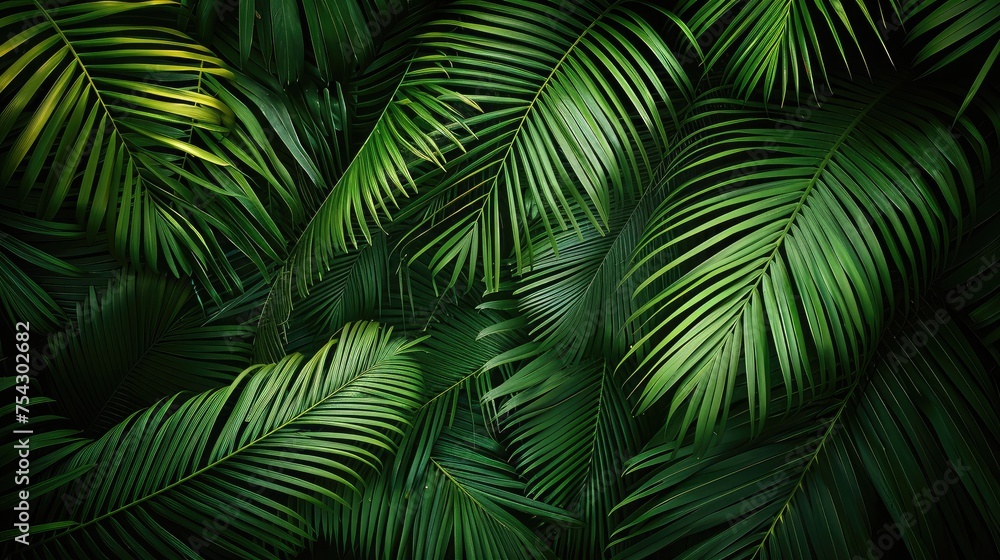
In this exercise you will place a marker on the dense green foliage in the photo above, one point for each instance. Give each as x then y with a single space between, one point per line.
499 279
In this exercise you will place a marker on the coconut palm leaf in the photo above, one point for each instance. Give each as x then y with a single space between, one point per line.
969 285
475 497
50 267
401 514
569 113
352 290
171 348
337 36
946 31
48 443
907 453
575 293
570 433
299 428
20 295
778 44
417 127
792 255
132 141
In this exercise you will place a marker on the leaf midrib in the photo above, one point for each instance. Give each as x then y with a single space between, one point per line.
90 80
800 204
520 125
216 463
812 460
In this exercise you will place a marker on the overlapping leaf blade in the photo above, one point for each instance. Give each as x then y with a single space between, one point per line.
134 141
790 256
572 116
298 429
906 454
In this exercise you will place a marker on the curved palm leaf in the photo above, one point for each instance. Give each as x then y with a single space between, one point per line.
352 290
769 43
947 30
48 268
49 443
343 34
402 515
20 295
574 110
299 428
909 455
99 381
136 135
570 433
794 255
416 129
574 294
473 488
969 286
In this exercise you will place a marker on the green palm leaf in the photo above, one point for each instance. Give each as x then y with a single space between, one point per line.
779 44
948 30
420 506
134 140
576 294
100 381
906 451
353 290
343 35
417 127
48 269
473 489
969 286
573 112
791 255
297 429
570 432
49 443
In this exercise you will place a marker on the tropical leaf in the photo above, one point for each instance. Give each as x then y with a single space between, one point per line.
132 141
571 117
48 269
297 429
576 294
947 30
353 290
792 253
394 515
476 495
171 348
337 36
570 433
780 44
906 453
45 440
416 129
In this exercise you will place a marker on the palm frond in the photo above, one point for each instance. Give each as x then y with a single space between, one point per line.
48 443
907 453
416 129
574 294
337 37
100 381
948 30
570 433
393 517
298 429
132 141
50 267
353 290
572 115
792 254
779 44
